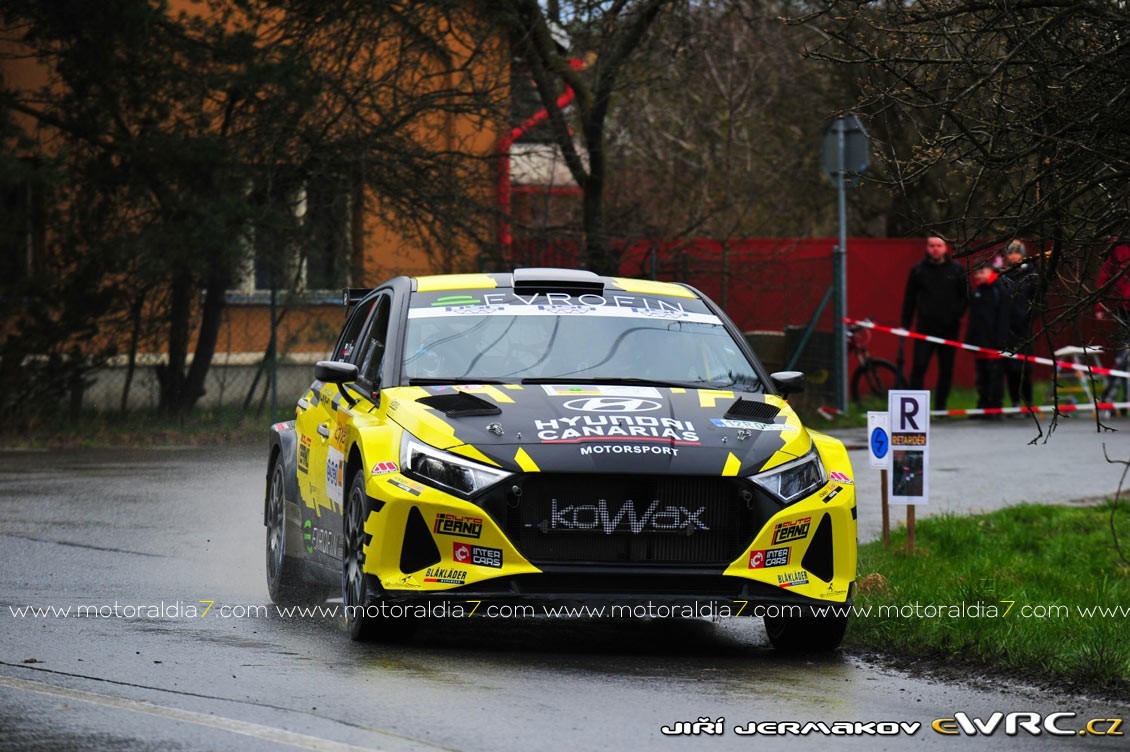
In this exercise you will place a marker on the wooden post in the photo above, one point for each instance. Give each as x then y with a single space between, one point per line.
886 509
910 528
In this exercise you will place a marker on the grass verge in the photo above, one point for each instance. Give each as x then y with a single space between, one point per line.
140 428
1040 577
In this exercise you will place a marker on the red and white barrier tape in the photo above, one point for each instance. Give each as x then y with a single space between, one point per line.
1038 409
828 412
898 332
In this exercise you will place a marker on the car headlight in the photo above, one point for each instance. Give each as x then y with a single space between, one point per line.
449 471
794 479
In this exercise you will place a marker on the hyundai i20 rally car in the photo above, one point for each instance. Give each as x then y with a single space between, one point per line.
548 437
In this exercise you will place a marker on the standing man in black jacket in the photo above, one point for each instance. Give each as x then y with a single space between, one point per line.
934 302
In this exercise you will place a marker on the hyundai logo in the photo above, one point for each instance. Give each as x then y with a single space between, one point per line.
612 405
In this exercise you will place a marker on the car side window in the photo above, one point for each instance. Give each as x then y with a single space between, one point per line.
373 345
348 342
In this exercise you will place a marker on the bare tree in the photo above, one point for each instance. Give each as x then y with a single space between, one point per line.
719 135
179 141
1015 114
604 35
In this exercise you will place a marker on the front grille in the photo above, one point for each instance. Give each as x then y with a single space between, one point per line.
631 519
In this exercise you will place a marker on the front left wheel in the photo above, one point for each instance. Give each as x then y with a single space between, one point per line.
361 592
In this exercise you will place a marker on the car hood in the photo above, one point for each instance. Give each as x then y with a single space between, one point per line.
604 429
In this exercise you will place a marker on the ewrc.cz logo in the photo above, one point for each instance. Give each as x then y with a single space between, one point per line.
1034 724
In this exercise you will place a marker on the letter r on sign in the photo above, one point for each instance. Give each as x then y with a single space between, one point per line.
908 409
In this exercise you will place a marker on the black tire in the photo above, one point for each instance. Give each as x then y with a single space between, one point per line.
806 634
285 580
873 380
361 594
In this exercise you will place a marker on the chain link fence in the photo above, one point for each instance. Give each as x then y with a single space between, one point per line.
264 357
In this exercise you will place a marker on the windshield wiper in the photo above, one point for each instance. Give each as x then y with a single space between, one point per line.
452 380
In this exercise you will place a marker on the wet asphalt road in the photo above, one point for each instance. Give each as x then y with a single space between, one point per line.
168 528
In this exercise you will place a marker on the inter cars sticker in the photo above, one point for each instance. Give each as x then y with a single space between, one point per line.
841 478
446 575
831 494
765 558
453 524
791 530
383 468
304 454
792 579
335 475
480 556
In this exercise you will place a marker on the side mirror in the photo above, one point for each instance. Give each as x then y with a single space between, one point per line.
788 382
334 372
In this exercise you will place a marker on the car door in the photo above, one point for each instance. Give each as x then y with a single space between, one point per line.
367 355
320 430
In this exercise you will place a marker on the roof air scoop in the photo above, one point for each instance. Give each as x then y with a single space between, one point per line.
571 281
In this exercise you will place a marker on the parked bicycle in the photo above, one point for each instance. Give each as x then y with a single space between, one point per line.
873 377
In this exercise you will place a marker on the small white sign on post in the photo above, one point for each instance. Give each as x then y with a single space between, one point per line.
879 440
909 415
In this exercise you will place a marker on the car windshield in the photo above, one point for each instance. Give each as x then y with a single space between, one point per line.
680 345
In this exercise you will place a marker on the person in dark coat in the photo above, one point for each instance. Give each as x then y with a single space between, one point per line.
1022 282
989 302
934 302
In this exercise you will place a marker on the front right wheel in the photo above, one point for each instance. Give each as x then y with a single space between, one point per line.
806 633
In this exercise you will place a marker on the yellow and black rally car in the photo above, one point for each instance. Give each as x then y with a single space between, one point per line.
553 437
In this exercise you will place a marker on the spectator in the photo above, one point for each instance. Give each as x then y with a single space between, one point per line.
1022 283
934 302
1116 300
988 327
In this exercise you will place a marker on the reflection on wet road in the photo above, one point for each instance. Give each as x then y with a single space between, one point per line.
183 650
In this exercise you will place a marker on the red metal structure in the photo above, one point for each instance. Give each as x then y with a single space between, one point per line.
505 236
